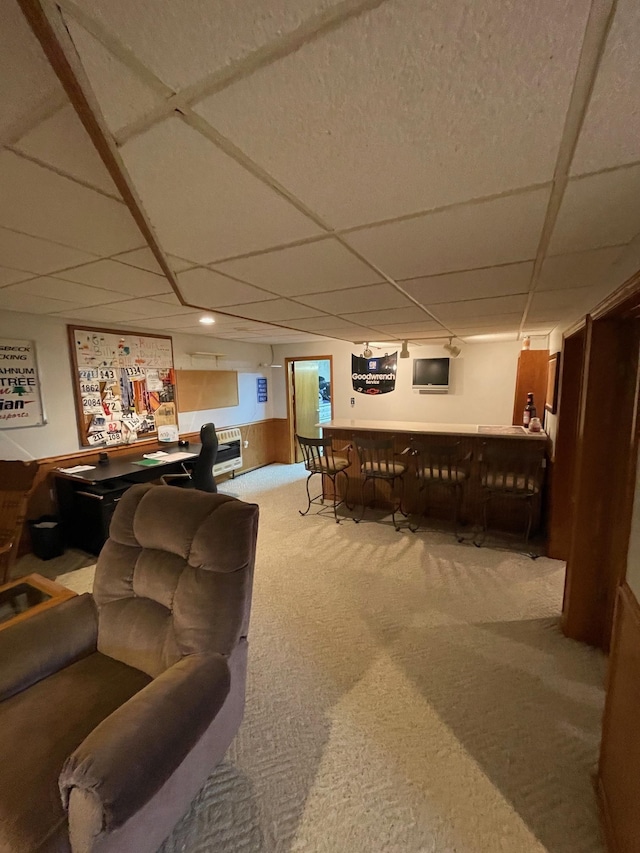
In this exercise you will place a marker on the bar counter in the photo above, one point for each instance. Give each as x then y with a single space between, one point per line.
469 438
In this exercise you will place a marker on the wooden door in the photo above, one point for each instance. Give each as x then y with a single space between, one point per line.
306 396
531 376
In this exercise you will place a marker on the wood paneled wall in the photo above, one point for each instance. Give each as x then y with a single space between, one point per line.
265 446
619 770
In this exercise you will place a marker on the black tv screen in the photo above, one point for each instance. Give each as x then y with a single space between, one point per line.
431 373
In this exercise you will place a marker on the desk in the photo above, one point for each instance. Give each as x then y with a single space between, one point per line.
87 499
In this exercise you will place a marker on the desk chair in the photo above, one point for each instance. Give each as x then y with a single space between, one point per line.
319 458
16 482
379 462
199 473
515 473
444 466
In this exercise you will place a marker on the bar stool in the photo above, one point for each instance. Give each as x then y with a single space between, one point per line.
379 462
441 465
319 458
514 473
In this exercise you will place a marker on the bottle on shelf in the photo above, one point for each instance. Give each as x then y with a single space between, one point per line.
530 411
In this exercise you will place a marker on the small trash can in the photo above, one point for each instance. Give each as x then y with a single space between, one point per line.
46 537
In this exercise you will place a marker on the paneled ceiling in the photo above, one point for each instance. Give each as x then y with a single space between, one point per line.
355 169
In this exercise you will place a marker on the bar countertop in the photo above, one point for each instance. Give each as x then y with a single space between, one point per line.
496 431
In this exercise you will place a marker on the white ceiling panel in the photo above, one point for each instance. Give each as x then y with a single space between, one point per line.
610 135
355 333
599 210
23 252
500 231
391 316
486 325
473 308
568 304
144 259
202 203
69 291
176 321
62 142
310 268
453 287
412 106
122 95
38 201
183 43
579 269
9 276
277 310
28 80
150 308
205 287
99 314
326 321
12 299
358 299
118 277
405 330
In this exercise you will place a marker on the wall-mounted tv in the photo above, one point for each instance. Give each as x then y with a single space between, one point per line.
431 374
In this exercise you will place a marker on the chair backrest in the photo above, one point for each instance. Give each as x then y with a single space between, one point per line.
516 470
16 482
174 578
202 474
377 456
444 462
314 450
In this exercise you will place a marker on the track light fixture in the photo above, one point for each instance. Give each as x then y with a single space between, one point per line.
453 351
404 352
367 352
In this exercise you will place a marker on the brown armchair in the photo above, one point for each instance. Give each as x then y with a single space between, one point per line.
115 707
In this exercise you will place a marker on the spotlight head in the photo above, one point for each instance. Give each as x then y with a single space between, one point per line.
453 351
367 352
404 352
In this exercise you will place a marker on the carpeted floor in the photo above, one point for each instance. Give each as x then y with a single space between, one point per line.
406 694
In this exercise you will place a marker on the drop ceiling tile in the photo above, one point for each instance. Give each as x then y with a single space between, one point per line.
473 308
69 291
168 298
579 269
143 259
62 142
9 276
202 203
610 135
28 80
150 308
118 277
374 296
411 106
176 321
37 201
277 310
599 210
100 314
470 325
201 286
310 268
326 321
356 333
405 330
23 252
121 94
14 300
547 305
500 231
181 45
393 316
453 287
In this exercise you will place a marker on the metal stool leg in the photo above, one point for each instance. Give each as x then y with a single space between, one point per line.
308 496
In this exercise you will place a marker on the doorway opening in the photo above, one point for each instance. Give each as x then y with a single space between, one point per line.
309 398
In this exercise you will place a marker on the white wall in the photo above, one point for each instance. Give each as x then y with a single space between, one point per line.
551 421
482 384
60 434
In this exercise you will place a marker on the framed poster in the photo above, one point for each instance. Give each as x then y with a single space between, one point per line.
20 396
553 373
124 385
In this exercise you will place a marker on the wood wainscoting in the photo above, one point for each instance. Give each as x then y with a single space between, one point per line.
619 770
265 445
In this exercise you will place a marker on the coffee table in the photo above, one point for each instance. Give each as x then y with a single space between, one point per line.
22 598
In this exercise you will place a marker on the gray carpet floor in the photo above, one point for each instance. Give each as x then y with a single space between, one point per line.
406 694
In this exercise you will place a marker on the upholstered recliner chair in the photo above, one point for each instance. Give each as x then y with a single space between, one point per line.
115 708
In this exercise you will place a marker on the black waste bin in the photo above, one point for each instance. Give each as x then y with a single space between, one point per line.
46 537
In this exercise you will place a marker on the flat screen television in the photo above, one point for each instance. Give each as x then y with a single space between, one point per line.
431 374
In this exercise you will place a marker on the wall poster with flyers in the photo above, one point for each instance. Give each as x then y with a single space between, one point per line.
124 385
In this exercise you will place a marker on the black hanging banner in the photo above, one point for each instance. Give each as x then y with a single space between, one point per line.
374 375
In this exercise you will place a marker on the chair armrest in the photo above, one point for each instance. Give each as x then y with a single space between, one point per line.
129 756
46 642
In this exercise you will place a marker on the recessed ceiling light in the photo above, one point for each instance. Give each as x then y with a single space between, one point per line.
207 321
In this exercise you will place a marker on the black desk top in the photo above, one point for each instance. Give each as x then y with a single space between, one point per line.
123 465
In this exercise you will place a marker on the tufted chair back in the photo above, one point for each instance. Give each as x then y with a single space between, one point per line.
174 578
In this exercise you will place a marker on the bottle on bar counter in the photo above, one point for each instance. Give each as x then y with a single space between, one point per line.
530 411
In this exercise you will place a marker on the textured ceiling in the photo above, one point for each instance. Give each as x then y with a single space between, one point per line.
362 169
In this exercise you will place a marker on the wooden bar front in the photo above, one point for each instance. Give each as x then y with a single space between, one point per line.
505 514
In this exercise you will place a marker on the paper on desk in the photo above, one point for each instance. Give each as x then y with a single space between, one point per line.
77 469
181 454
158 454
